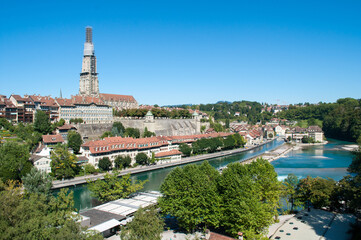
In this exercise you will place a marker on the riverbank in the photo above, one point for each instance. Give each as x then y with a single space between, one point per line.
275 154
83 179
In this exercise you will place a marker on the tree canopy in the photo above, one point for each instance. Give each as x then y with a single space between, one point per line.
105 164
14 161
63 163
35 216
113 188
37 182
243 198
42 122
74 141
142 159
146 225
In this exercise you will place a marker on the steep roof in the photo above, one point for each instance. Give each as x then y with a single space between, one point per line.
117 98
57 138
44 100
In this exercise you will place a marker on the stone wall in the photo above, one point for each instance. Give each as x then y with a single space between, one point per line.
164 127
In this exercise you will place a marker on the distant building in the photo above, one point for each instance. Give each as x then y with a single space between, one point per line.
46 104
119 102
90 109
25 108
297 133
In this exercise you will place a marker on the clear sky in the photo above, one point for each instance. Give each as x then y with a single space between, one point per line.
175 52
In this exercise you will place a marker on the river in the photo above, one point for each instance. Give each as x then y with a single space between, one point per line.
324 161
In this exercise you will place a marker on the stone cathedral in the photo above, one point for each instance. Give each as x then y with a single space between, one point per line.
89 83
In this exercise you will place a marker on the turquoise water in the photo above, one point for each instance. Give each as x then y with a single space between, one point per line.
316 161
324 161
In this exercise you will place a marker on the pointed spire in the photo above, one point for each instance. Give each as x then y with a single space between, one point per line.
61 95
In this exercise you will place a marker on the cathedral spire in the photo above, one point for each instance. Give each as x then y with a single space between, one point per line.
89 83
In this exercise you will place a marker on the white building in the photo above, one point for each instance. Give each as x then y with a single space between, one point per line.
90 109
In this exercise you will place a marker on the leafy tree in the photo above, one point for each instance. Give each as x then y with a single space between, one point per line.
289 187
240 142
203 128
5 124
142 159
63 164
37 217
76 120
112 187
148 133
122 162
106 134
146 225
74 141
317 191
190 194
105 164
132 132
250 196
119 127
227 123
14 161
229 142
185 149
89 169
42 122
37 182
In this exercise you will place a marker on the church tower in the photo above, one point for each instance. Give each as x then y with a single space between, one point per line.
89 83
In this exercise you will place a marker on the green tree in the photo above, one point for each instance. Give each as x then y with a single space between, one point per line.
42 122
289 187
106 134
190 194
14 161
185 149
112 187
316 191
74 141
89 169
203 128
120 128
35 216
132 132
105 164
239 140
63 164
37 182
142 159
122 162
250 196
148 133
229 142
146 225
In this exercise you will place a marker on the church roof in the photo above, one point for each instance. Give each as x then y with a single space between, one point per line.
116 97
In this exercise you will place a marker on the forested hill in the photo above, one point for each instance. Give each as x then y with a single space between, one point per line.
341 120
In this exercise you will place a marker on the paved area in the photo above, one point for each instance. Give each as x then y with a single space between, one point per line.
282 219
314 225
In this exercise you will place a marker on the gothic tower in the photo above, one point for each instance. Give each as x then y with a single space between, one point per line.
89 83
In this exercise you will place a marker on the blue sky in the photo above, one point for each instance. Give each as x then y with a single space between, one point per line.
175 52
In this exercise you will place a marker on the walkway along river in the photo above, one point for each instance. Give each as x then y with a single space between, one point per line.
83 199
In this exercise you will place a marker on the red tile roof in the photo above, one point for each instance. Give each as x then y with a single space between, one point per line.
168 153
44 101
116 97
66 127
57 138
